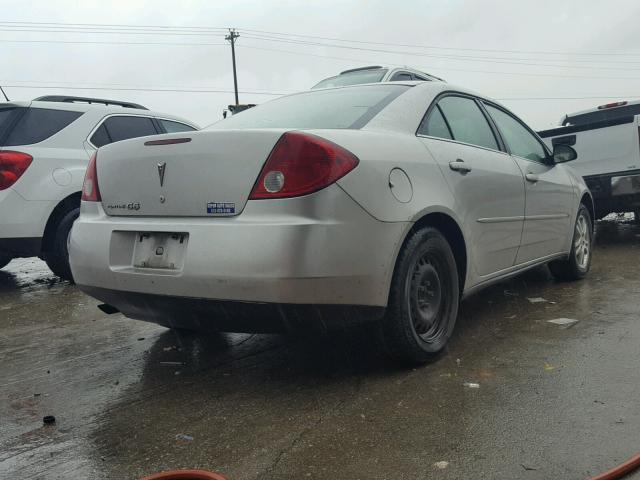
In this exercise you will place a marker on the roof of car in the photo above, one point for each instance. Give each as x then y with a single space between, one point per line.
104 109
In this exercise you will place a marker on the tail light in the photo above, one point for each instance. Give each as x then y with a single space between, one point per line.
301 164
12 166
611 105
90 190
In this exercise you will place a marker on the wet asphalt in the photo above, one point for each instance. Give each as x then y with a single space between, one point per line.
513 397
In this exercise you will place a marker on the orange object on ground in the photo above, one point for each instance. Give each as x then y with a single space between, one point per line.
621 470
186 475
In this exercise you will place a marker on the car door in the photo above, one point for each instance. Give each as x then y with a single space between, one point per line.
486 182
549 192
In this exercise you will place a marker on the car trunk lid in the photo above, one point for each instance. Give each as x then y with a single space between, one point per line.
199 174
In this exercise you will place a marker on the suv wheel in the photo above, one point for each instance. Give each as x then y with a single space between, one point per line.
577 265
57 257
424 297
4 260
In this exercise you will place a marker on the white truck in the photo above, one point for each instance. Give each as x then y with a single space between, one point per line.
607 139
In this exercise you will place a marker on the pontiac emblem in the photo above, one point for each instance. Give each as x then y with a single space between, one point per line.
161 168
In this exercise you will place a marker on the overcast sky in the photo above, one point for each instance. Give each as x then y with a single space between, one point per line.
542 57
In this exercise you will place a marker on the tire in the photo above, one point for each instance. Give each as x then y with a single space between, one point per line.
4 260
419 322
577 266
57 257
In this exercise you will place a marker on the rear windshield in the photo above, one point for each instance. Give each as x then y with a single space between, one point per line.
602 115
27 126
353 78
7 116
349 108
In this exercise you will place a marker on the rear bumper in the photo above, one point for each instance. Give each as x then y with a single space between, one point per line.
204 315
322 249
20 218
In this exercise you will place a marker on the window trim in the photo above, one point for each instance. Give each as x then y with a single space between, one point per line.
476 100
154 121
547 161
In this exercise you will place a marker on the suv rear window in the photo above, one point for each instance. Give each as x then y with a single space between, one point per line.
36 125
346 108
174 127
122 127
602 115
7 114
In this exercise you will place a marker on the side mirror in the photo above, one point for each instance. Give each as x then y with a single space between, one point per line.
563 153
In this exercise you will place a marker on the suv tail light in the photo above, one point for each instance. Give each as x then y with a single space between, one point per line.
611 105
301 164
12 166
90 190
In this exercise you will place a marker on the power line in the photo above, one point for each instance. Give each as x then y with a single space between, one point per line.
98 42
428 70
179 90
106 26
509 60
101 32
330 57
448 57
270 37
541 52
45 83
288 34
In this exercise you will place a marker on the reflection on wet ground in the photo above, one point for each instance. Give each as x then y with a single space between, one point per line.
132 398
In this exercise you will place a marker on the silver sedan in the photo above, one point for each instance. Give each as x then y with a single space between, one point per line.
387 203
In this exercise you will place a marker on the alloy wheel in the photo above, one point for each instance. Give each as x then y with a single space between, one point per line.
582 242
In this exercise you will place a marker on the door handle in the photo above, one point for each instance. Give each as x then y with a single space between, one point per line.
531 177
459 166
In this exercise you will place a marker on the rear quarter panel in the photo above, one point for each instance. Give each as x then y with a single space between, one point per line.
369 185
379 153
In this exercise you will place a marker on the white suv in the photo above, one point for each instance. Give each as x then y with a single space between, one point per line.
45 146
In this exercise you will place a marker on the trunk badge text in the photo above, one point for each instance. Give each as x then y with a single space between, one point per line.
161 168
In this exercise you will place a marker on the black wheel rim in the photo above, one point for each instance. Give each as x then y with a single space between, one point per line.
427 296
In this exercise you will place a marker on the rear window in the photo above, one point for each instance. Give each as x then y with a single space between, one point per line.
7 115
602 115
174 127
122 127
353 78
37 124
346 108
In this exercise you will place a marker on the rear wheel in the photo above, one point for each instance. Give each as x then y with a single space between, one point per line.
577 265
57 257
424 297
4 260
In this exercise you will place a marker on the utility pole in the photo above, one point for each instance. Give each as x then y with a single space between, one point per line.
232 38
7 98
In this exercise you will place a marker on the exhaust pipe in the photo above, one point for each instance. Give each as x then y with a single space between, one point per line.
108 309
